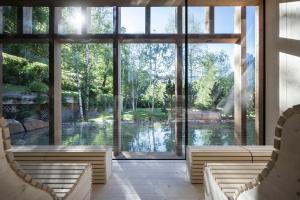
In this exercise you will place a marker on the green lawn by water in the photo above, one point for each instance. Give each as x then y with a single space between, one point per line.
139 114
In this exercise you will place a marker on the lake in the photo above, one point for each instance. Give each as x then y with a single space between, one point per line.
138 137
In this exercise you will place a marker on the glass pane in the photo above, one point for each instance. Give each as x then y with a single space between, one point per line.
87 94
224 19
148 92
8 19
36 20
250 74
211 100
289 20
70 20
133 20
40 19
196 19
163 20
25 96
101 20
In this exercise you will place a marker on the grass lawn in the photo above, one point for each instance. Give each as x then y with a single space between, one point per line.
144 114
139 114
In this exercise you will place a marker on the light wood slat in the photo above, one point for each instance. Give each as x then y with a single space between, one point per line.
61 190
231 158
60 186
238 167
59 181
234 164
60 158
237 181
52 164
229 190
49 167
59 154
59 148
53 171
234 176
55 176
229 185
61 195
248 171
52 161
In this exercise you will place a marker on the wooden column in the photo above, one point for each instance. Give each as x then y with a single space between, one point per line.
1 20
259 76
27 20
20 20
117 84
148 20
179 88
54 81
210 20
240 79
1 61
1 79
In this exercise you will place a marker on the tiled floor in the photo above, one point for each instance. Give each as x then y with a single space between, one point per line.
148 180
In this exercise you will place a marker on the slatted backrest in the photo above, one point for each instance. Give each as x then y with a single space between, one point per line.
281 178
8 164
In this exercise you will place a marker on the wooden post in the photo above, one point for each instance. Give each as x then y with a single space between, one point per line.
240 79
1 61
54 82
1 80
117 84
259 76
1 20
179 88
20 20
148 20
27 20
210 20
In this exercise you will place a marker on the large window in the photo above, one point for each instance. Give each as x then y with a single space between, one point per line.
87 94
148 91
25 99
142 78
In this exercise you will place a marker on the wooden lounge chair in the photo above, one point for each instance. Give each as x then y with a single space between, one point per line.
38 181
279 180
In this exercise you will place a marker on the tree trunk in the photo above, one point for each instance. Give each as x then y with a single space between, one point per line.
79 94
132 95
87 82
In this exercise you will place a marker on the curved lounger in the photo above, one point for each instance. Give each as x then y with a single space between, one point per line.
17 184
279 180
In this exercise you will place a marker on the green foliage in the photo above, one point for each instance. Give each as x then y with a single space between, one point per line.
10 19
19 71
40 19
37 86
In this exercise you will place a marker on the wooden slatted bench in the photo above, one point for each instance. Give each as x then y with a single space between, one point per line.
277 180
61 177
197 156
36 181
229 177
99 157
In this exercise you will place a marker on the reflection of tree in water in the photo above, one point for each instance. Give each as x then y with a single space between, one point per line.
169 137
145 137
212 134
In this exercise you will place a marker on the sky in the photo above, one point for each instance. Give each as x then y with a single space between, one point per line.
133 20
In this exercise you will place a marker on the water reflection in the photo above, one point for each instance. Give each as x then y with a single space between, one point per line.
138 136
